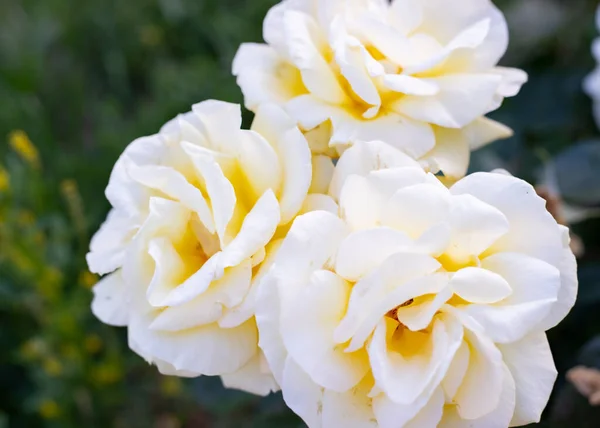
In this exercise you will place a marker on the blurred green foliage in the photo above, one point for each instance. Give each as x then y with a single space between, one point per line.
80 80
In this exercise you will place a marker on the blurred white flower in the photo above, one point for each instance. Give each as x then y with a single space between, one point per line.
195 211
420 306
591 84
417 74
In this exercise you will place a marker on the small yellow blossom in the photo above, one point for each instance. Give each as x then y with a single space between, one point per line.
106 373
92 343
49 409
151 35
20 143
70 352
4 179
49 284
88 279
171 386
33 348
74 202
52 367
26 218
21 260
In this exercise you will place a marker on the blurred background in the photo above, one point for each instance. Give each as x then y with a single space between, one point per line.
79 80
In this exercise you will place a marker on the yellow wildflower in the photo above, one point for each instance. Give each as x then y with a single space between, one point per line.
70 352
21 144
74 202
52 367
50 283
26 218
171 386
151 35
106 373
88 279
49 409
33 348
4 179
92 343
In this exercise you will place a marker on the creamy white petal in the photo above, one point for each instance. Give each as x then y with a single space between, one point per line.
461 99
360 203
174 185
245 310
534 285
418 316
478 285
364 158
431 414
303 43
323 170
512 80
450 155
122 192
206 350
319 202
219 190
409 365
302 395
475 227
485 373
220 121
350 409
268 311
499 417
111 301
294 155
410 85
308 323
401 277
257 230
567 294
351 58
259 164
456 372
108 245
406 15
483 131
253 378
310 111
532 229
169 267
265 76
532 367
414 137
415 209
195 284
310 244
363 251
226 292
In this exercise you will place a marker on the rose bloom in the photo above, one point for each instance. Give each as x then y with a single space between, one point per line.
418 74
192 229
591 84
419 306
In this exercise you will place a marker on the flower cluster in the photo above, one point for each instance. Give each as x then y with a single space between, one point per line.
336 250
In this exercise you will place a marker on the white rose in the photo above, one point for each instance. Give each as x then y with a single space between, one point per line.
192 230
591 84
420 306
417 74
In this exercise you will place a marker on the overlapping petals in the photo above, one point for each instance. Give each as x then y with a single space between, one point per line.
418 305
192 230
419 75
